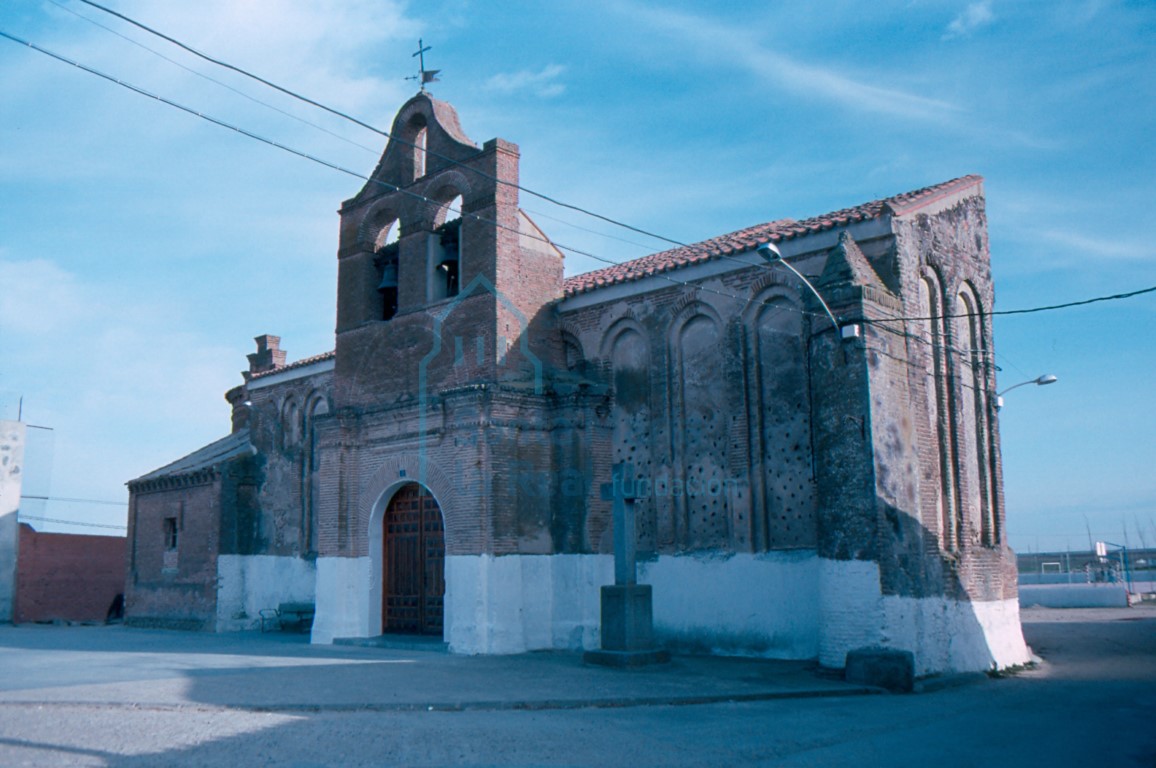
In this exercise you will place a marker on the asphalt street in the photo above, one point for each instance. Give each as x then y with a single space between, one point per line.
111 696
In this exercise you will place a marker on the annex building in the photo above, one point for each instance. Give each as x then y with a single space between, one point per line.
805 486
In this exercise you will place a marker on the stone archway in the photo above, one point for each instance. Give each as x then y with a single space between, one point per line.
412 563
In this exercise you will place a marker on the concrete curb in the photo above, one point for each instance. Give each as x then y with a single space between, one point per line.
466 706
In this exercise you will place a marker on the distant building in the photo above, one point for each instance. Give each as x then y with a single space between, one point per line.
806 488
12 437
50 576
69 577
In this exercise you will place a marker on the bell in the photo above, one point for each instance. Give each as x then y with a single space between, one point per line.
388 277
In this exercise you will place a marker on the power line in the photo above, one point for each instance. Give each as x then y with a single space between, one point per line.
392 187
395 188
251 135
1066 305
376 130
77 501
1027 311
387 185
73 522
203 76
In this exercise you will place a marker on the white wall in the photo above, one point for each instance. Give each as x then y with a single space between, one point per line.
851 610
955 636
11 472
765 605
791 605
343 588
248 583
518 603
493 605
945 635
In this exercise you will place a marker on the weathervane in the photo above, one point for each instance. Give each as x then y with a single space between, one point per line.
424 75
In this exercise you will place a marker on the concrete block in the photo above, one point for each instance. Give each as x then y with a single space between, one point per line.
627 618
887 668
627 628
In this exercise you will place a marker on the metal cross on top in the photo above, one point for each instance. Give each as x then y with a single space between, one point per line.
623 497
424 75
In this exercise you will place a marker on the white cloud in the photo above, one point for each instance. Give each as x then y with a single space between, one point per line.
116 371
970 19
317 48
1098 247
38 296
543 83
707 37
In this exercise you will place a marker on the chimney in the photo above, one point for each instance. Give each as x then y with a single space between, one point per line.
268 356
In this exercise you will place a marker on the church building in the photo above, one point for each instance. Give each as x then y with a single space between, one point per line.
807 408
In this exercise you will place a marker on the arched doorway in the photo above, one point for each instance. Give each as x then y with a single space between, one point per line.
413 563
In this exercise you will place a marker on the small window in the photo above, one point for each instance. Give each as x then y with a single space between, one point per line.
170 533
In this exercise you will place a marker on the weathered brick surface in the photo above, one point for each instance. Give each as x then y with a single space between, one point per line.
752 423
284 484
174 585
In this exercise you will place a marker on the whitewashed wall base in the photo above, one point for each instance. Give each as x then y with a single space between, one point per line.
248 583
762 605
518 603
945 635
343 589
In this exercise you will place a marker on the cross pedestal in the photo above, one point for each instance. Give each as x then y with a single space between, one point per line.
627 612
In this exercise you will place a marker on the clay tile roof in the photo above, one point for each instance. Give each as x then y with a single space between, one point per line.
750 238
295 364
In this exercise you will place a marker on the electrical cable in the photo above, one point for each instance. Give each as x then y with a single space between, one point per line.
355 174
693 247
73 522
203 76
376 130
321 128
395 188
1028 310
77 501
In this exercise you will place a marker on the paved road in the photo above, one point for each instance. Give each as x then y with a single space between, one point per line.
117 697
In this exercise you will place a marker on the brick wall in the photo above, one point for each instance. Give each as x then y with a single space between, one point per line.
70 577
283 485
167 586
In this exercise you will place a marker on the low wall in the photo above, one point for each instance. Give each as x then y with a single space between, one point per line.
67 577
1074 595
248 583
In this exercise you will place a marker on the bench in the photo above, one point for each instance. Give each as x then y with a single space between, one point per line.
288 616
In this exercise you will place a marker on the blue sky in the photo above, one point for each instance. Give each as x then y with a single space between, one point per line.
141 249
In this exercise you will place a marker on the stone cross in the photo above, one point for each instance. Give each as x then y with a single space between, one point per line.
624 536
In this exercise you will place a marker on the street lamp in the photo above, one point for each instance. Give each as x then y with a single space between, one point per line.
770 252
1047 378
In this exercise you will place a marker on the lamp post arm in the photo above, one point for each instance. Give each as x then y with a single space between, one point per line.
807 282
1015 386
1040 381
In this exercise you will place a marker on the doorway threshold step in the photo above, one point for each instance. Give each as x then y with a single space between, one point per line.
397 642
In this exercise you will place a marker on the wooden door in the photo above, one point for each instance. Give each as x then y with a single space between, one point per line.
413 563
